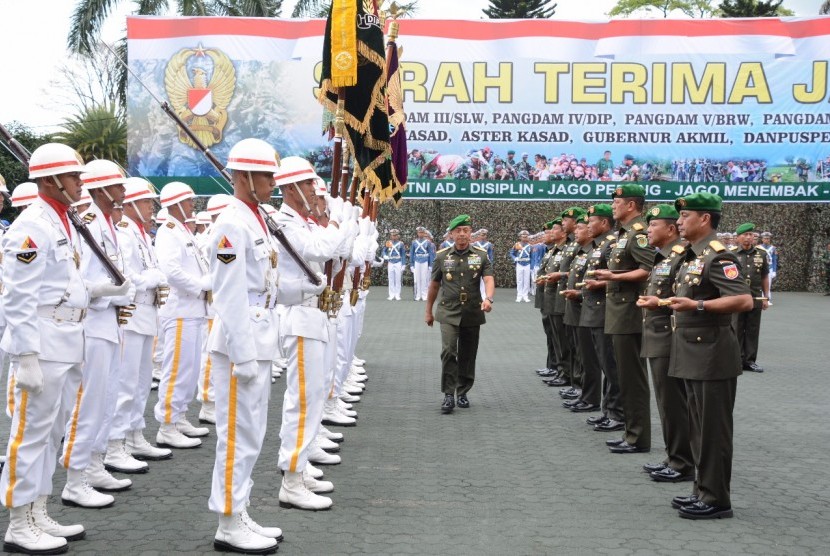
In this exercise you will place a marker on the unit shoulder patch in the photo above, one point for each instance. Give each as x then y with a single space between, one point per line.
642 241
717 246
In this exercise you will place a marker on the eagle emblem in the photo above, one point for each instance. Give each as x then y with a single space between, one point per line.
200 83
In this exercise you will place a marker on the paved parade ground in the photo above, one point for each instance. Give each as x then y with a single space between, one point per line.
514 474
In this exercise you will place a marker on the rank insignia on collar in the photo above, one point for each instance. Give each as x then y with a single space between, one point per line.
170 225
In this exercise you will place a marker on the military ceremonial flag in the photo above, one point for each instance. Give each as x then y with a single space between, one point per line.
365 115
394 108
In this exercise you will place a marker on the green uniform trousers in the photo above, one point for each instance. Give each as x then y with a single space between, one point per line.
672 405
710 418
634 390
748 330
564 357
459 346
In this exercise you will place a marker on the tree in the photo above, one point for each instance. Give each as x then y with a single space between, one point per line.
625 8
825 8
10 168
753 8
520 9
86 82
320 8
97 132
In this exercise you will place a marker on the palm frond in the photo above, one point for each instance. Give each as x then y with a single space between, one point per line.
85 24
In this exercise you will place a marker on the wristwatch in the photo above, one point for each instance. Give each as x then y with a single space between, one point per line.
490 299
700 308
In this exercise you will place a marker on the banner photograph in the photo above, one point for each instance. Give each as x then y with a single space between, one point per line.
520 110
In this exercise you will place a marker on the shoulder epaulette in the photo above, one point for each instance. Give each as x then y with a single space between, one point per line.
89 217
637 227
122 224
610 237
480 248
678 249
442 250
170 225
717 246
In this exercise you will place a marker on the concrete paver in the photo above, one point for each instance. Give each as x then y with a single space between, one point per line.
515 473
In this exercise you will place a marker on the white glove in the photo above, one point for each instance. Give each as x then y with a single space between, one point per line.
124 300
29 377
108 289
347 211
155 278
358 211
335 206
308 288
363 225
246 371
205 283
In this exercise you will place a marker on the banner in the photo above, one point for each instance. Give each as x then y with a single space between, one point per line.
513 110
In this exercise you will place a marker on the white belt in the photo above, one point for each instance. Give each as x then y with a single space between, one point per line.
265 300
313 301
146 297
61 313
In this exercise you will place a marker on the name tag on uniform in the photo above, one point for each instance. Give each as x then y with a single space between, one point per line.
596 254
450 264
622 243
259 242
62 242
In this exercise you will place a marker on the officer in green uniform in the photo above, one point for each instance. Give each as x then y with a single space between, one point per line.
601 222
754 261
589 395
539 301
457 273
628 269
669 392
705 354
572 372
549 278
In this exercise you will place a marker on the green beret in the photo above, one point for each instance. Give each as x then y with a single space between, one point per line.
629 190
705 202
556 222
744 228
511 152
662 212
602 209
460 220
574 212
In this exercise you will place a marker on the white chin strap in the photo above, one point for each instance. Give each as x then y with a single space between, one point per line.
305 203
251 188
60 187
138 213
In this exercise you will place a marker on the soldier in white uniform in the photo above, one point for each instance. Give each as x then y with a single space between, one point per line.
127 442
181 319
303 332
45 339
243 258
87 431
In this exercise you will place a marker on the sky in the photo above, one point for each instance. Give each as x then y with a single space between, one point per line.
32 53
